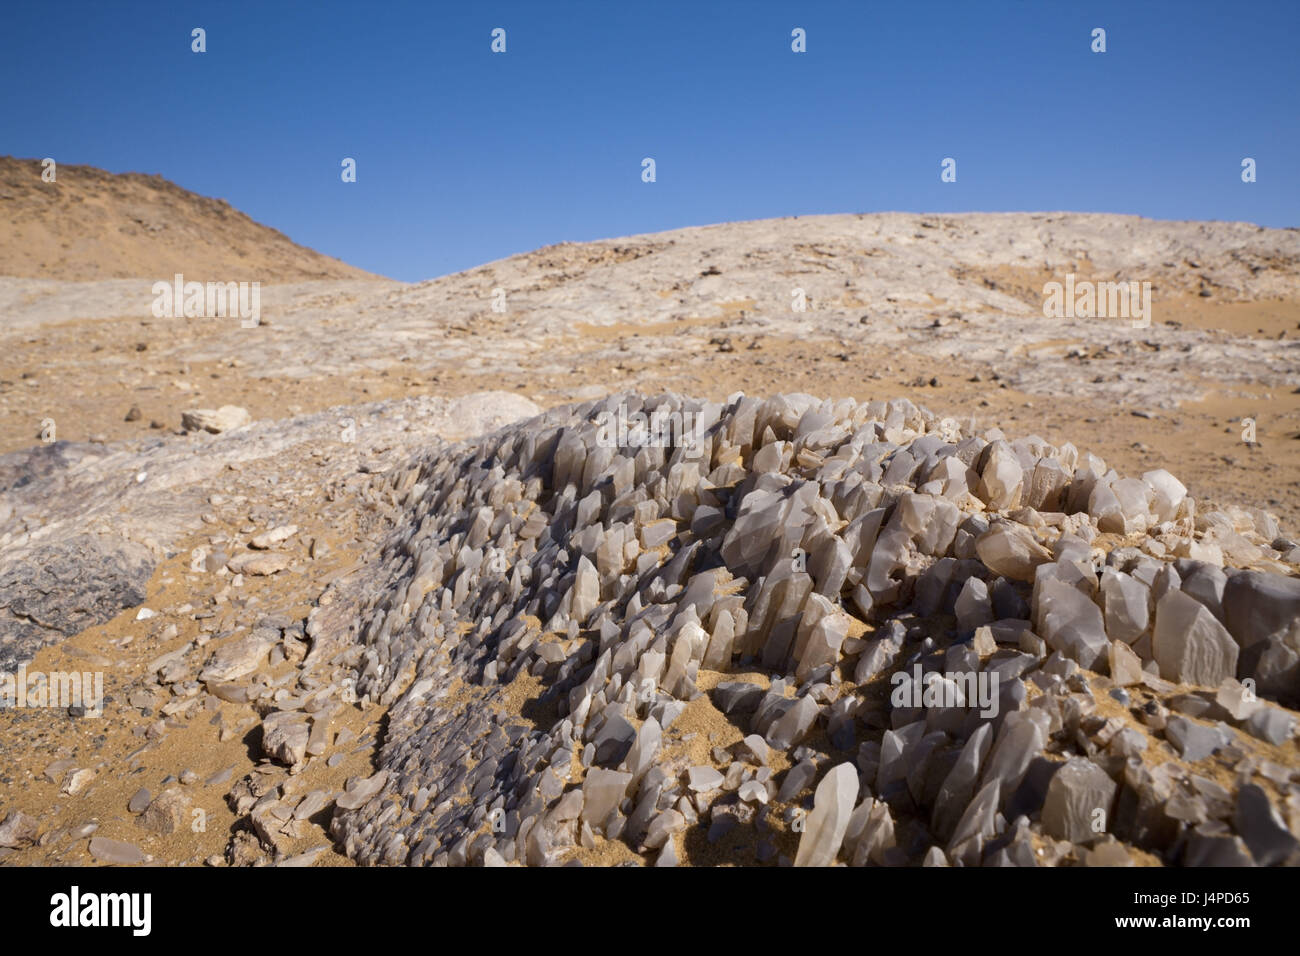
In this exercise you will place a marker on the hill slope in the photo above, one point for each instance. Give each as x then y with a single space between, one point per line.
91 224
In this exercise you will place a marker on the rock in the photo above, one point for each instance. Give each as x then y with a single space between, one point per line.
277 535
1189 645
17 830
1127 602
601 793
1194 741
1125 666
224 419
1071 623
958 786
1272 724
752 791
359 791
240 657
796 779
662 829
737 698
140 802
1237 699
56 590
755 749
77 781
935 857
1211 844
585 594
106 850
614 741
1078 799
644 749
973 607
1167 494
793 725
1009 550
284 737
824 829
1258 607
1108 853
1260 826
166 813
260 565
878 656
703 779
1002 481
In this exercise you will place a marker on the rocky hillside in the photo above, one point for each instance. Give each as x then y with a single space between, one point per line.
91 224
1043 610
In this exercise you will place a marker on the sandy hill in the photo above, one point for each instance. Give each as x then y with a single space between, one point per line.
93 224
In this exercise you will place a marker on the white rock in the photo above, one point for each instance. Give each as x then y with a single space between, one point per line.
602 791
1003 480
224 419
824 829
1125 666
973 607
269 539
1071 623
1079 796
1189 645
1127 602
703 779
585 594
1167 494
1009 549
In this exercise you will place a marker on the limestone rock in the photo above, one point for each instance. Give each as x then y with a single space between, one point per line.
240 657
224 419
167 813
17 830
284 737
107 850
260 565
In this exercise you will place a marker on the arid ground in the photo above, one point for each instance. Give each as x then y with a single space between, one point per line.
349 375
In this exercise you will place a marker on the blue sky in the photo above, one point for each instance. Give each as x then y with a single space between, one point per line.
465 156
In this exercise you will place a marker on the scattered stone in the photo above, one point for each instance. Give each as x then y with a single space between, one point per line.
17 830
1194 741
277 535
224 419
259 565
284 737
166 813
107 850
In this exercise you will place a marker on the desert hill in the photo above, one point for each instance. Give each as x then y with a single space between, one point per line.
368 582
90 224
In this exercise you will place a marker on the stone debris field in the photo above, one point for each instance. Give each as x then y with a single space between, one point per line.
651 570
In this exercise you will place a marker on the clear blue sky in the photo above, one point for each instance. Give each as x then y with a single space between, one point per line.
465 156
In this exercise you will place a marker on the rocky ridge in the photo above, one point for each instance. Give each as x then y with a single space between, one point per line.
828 547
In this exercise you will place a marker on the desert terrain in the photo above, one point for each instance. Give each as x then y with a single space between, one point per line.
307 659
